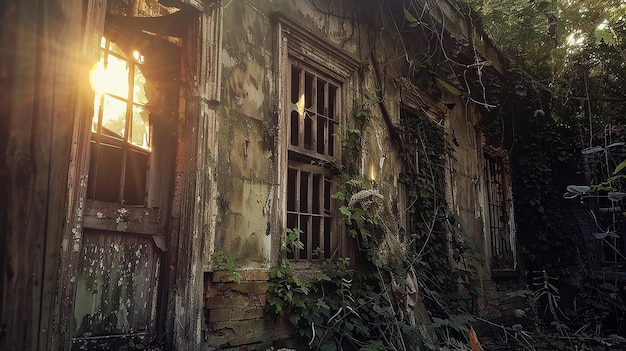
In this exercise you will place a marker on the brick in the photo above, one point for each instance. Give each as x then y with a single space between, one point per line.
213 291
261 299
237 301
244 326
248 339
215 302
220 277
255 275
220 315
247 313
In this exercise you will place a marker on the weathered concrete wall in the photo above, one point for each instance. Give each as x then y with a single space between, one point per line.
249 122
248 167
246 173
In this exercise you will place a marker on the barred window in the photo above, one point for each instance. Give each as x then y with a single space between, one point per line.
498 213
313 121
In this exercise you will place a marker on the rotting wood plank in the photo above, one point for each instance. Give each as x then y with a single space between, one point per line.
21 275
197 186
65 68
121 218
62 317
41 87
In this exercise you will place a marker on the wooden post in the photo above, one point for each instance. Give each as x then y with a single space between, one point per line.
197 189
43 69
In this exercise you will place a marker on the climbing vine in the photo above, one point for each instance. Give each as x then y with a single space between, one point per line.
374 303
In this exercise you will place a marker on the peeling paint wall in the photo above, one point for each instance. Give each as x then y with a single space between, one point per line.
246 136
248 177
229 172
247 174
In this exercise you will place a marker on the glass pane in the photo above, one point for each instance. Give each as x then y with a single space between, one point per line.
116 49
327 237
308 90
115 80
304 236
292 178
316 231
113 116
294 129
332 100
295 85
108 173
321 134
317 195
308 131
97 101
304 191
327 197
139 90
292 223
135 178
321 98
331 138
140 128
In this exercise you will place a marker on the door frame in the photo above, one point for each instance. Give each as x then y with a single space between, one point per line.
191 222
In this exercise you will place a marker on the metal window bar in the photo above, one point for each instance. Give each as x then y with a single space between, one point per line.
311 125
312 122
501 250
308 209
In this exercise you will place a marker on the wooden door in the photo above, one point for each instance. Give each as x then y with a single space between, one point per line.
118 286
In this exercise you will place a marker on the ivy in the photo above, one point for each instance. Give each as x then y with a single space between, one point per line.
225 262
358 305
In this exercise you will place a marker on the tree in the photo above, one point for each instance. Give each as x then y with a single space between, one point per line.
574 49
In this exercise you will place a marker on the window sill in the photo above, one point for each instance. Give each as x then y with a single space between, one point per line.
505 273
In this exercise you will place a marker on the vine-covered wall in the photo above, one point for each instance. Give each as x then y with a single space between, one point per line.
437 213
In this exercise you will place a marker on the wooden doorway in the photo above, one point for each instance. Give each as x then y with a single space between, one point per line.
119 287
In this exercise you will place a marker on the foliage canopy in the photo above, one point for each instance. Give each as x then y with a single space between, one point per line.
573 49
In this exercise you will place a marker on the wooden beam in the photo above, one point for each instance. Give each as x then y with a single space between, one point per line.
197 189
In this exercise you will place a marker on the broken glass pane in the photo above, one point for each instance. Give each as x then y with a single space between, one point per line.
140 127
113 117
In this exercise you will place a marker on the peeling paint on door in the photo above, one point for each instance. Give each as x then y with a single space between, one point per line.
117 286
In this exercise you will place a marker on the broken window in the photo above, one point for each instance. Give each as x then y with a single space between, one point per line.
120 129
498 219
312 123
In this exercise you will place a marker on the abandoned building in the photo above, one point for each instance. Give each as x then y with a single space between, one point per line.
141 137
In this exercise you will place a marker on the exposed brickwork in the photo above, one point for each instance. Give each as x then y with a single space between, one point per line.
498 305
236 312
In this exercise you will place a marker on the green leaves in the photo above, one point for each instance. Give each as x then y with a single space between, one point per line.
223 261
452 90
619 167
413 22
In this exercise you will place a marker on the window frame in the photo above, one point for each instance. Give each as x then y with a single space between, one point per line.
494 243
100 139
313 52
140 217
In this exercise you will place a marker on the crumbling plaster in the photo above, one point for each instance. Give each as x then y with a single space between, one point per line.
247 174
249 125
